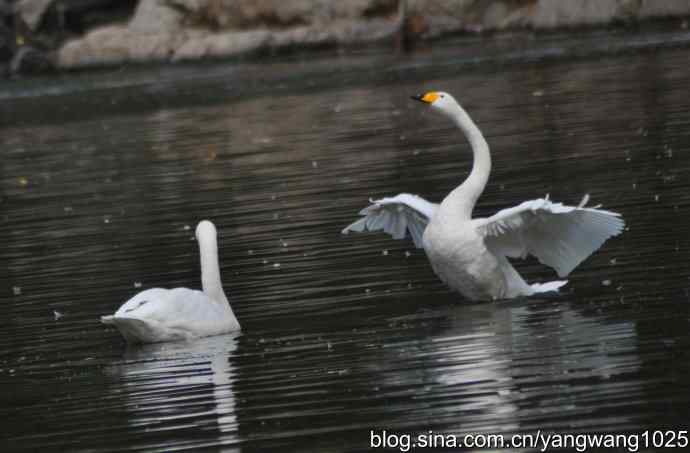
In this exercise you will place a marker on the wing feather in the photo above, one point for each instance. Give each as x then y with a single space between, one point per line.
397 216
558 236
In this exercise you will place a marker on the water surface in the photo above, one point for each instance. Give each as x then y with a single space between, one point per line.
103 178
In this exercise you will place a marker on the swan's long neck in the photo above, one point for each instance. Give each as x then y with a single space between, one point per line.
460 202
210 270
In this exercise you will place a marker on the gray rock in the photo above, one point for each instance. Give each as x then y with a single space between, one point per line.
156 17
238 43
193 29
243 14
222 44
187 29
116 44
551 14
153 34
444 16
664 8
32 11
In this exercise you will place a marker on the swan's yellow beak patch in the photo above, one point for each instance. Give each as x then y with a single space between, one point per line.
428 98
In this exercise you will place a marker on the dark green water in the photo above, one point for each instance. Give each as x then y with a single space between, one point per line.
102 176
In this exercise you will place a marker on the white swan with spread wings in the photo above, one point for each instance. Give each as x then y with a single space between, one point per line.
471 255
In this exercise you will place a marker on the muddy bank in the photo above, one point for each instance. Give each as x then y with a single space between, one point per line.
73 34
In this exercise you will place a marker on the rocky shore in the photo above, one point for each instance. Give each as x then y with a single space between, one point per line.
39 35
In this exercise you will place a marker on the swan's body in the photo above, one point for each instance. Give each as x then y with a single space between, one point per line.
471 255
159 314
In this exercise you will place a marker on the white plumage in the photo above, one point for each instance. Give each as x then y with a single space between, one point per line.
159 314
470 255
396 216
559 236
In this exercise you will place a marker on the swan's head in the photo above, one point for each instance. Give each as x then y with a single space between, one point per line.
205 230
439 100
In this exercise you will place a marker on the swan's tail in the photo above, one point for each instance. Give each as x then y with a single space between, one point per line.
134 330
547 287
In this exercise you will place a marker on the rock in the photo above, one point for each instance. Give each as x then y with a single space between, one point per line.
155 16
592 12
193 29
244 14
116 44
665 8
154 34
186 29
31 11
444 16
238 43
222 44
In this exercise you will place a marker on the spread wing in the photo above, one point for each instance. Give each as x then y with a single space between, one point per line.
396 216
558 236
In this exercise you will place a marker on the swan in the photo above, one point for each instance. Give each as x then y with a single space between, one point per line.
470 254
158 314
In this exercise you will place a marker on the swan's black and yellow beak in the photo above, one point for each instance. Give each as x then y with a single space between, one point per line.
427 98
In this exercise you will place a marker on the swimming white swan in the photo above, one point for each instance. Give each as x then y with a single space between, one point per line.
471 255
159 314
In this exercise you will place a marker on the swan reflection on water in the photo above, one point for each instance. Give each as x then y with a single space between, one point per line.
171 386
485 369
